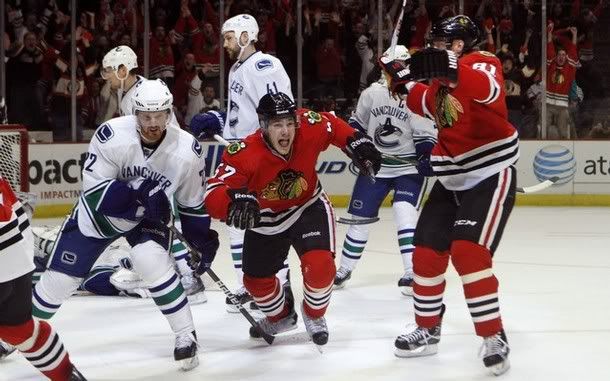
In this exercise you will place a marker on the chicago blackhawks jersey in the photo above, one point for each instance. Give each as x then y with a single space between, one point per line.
116 154
284 187
394 128
16 240
249 80
475 139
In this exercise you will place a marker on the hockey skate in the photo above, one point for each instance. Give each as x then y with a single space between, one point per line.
76 375
285 324
420 342
244 298
494 352
316 328
6 349
342 276
406 284
194 288
185 351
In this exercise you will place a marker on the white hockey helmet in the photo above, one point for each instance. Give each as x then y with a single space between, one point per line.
152 95
239 24
400 52
121 55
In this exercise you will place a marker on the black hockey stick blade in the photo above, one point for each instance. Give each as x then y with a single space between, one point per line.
267 337
356 221
538 187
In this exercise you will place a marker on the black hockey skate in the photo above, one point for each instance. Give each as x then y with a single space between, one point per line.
285 324
316 328
420 342
6 349
406 284
495 352
76 375
342 276
244 298
185 351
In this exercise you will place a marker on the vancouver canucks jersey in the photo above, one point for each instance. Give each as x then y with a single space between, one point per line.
249 80
116 154
394 128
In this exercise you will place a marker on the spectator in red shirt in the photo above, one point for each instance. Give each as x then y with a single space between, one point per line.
328 61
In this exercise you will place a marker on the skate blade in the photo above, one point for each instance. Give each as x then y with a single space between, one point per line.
406 291
425 350
189 363
198 298
500 368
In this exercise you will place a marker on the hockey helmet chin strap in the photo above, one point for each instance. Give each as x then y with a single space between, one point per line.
121 88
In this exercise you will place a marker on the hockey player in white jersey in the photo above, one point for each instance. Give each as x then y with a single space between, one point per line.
399 134
134 165
253 75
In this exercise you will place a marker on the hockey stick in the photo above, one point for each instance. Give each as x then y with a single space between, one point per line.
397 28
221 140
267 337
356 221
538 187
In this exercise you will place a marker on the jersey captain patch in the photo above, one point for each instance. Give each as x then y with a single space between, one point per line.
235 147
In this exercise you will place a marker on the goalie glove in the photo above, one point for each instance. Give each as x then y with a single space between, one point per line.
364 154
434 63
397 73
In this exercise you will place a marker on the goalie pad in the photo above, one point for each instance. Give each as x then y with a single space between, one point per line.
434 63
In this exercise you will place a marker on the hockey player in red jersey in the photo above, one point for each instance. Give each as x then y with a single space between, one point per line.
267 184
36 340
468 207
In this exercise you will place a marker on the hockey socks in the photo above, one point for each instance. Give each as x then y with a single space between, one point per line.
168 294
353 245
429 285
473 264
405 216
51 291
269 296
318 268
41 346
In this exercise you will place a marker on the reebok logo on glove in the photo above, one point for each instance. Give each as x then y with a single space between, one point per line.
355 143
245 196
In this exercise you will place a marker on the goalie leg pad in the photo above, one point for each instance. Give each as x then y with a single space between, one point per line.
429 285
319 271
474 265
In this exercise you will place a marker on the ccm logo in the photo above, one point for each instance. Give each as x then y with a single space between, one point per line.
464 222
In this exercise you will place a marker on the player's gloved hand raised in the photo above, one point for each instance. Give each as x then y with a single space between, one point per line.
397 73
244 211
364 154
154 200
207 124
207 247
434 63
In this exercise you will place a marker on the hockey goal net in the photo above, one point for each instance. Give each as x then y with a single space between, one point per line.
14 162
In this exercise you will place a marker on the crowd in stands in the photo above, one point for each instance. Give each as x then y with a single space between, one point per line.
339 55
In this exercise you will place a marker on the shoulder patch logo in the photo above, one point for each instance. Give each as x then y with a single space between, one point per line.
263 64
104 133
313 117
197 148
235 147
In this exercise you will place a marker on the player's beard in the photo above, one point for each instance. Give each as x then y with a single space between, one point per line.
233 53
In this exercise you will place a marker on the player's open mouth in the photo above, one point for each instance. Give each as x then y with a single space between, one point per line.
284 143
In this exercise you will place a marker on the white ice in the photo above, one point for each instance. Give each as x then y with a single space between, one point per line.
553 266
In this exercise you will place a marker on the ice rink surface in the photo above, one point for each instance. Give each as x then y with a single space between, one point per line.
554 272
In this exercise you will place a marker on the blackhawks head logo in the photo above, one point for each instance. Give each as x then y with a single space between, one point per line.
288 184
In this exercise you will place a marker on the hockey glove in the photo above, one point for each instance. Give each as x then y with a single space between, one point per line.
397 74
364 154
207 248
154 200
208 124
434 63
244 211
423 166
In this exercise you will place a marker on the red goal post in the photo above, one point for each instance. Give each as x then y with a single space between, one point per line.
14 163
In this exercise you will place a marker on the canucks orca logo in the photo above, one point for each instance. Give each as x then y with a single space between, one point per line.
263 64
233 114
197 148
384 131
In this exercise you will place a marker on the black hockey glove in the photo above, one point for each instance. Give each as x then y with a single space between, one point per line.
154 200
434 63
244 211
207 247
364 154
397 74
423 166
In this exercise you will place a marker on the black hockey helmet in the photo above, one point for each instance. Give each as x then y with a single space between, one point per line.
275 105
458 27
